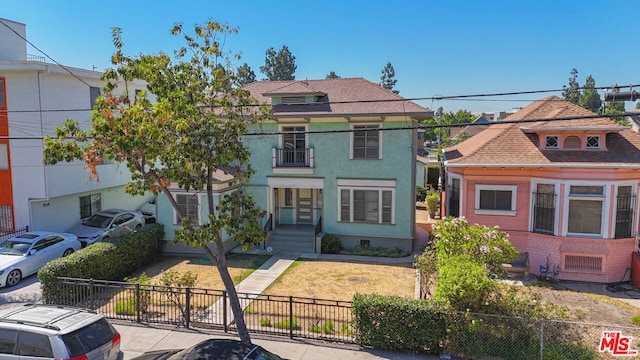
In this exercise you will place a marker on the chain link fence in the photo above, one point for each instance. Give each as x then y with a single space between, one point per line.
481 336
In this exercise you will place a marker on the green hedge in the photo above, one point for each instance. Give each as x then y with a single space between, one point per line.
399 324
108 260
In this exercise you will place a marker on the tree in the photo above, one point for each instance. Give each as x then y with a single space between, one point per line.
450 118
387 80
572 93
245 75
590 98
615 107
193 129
332 75
280 66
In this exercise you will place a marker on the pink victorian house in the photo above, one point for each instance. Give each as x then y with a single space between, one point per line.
562 181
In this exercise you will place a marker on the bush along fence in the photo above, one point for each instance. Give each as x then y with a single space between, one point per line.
381 322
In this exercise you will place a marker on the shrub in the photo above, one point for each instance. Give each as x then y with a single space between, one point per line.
433 203
265 321
365 250
287 324
399 324
126 307
463 283
331 244
421 193
346 329
328 328
314 328
106 260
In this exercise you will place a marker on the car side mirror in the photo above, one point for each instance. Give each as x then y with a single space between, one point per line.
33 251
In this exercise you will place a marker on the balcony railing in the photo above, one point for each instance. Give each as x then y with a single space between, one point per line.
31 57
292 157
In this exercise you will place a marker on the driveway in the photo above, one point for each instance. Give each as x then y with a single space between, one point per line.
27 291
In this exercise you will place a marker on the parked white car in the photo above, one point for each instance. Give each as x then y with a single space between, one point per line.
107 223
25 254
148 211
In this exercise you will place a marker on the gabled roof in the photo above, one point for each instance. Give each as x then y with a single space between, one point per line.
342 97
508 144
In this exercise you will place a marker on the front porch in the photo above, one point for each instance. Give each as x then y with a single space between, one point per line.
289 238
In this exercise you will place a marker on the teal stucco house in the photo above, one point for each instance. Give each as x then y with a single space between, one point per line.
337 156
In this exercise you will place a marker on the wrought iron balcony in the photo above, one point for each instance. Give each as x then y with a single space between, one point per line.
292 158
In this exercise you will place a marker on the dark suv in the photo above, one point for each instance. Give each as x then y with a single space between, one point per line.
56 332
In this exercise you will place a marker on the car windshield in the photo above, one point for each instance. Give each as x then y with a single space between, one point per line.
12 247
98 221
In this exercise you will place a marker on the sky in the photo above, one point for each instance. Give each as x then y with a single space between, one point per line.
437 48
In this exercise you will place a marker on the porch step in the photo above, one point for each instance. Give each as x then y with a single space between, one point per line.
292 238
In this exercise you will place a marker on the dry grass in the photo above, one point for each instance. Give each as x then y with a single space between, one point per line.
341 280
240 266
305 278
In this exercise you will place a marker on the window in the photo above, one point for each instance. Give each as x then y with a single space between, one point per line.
375 206
625 202
90 205
188 205
496 199
4 157
8 341
36 345
585 209
293 99
2 104
365 142
94 92
544 209
551 142
294 145
593 142
288 197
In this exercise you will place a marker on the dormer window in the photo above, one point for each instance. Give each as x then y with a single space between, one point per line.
551 142
572 142
593 142
293 100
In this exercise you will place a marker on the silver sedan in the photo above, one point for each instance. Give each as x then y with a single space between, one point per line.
24 254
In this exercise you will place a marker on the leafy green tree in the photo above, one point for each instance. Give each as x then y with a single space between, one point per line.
193 129
332 75
387 80
245 75
615 107
572 93
590 98
450 118
279 66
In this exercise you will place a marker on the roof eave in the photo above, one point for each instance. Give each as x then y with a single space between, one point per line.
551 165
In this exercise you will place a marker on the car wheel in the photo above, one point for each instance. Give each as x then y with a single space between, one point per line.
138 227
67 252
14 277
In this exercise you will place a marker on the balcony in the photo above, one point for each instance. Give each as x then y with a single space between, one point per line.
292 161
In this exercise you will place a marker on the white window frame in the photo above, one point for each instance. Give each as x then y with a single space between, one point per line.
4 157
512 188
634 207
366 185
176 220
281 130
556 190
450 178
557 142
351 142
586 142
605 199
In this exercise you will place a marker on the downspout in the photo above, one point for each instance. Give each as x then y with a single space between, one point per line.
44 167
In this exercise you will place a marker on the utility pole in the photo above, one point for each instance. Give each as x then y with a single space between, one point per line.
439 115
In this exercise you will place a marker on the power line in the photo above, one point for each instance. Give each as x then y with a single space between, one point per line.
414 127
43 53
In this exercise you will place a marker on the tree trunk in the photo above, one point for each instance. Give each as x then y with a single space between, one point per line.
221 264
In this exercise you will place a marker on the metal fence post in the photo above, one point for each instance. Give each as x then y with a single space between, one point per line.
291 317
224 311
187 315
541 338
91 284
138 299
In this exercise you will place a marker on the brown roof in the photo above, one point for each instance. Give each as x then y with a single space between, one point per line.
337 97
515 144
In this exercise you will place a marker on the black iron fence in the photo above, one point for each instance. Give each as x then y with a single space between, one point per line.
295 317
469 335
6 235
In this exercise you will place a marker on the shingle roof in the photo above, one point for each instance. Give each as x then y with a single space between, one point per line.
342 97
515 144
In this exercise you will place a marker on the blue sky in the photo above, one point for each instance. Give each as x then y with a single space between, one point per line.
436 47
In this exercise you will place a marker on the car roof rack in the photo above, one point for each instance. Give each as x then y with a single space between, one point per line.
47 325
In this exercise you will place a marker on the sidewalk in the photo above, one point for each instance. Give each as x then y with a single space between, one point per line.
138 338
